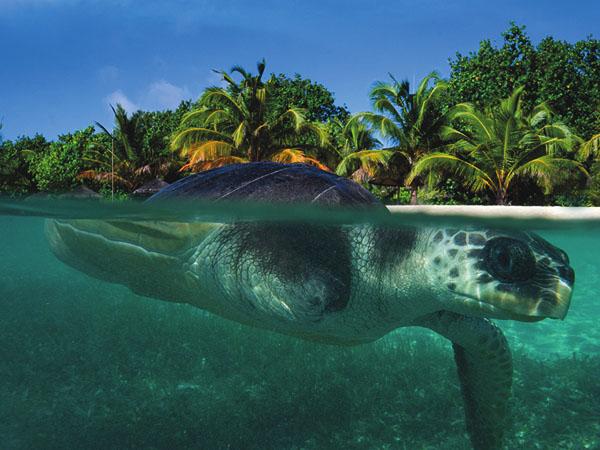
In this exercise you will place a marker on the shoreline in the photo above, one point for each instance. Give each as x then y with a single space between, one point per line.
553 213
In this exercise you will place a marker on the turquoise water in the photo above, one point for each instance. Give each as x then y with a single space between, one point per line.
88 364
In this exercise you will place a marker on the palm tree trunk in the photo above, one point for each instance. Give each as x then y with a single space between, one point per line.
252 156
413 196
413 192
254 151
501 197
412 187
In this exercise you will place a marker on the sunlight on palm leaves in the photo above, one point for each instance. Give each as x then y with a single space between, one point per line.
233 124
297 156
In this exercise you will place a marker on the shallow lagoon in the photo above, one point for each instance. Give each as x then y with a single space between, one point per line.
88 364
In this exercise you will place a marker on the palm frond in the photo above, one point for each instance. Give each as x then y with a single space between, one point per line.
239 118
219 98
239 134
387 127
189 137
297 156
239 69
589 148
208 151
474 119
449 133
103 128
358 135
473 175
426 99
371 161
546 169
295 115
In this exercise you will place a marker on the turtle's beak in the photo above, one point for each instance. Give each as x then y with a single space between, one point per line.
145 256
549 297
562 298
526 302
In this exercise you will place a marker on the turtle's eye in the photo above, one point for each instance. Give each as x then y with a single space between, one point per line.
509 260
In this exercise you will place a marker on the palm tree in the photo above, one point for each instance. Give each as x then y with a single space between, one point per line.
360 154
126 161
497 146
410 122
233 124
591 147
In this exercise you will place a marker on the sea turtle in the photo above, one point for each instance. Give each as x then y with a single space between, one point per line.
336 284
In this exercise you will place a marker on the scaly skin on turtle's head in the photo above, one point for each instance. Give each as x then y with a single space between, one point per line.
500 274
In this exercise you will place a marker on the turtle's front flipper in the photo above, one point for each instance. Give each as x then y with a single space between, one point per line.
484 367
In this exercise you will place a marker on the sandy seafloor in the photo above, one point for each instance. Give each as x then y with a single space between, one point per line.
87 364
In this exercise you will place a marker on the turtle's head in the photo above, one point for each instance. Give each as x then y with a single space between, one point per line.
501 274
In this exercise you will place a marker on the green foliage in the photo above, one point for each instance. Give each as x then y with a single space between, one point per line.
56 169
410 122
390 195
370 162
357 148
318 104
497 147
294 119
451 192
593 193
353 135
120 193
158 126
566 76
15 163
590 148
141 149
297 92
236 124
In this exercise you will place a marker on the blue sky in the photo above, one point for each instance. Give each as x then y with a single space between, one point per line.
64 61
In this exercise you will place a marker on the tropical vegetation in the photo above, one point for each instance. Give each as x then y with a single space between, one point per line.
514 123
133 153
492 149
411 122
240 123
